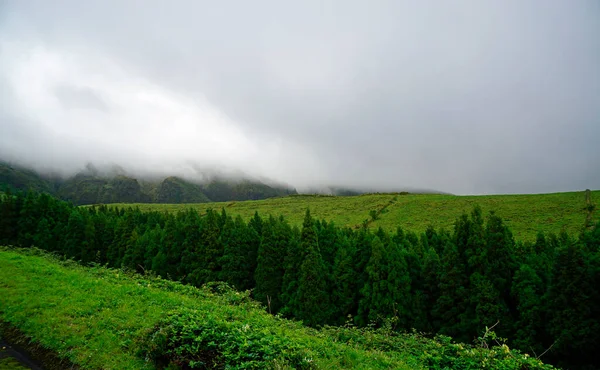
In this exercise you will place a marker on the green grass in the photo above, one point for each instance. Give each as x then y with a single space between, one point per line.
526 215
108 319
95 317
345 211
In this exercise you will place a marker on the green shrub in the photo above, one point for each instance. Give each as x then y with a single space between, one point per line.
192 339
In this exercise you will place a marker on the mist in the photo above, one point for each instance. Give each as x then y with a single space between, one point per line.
467 97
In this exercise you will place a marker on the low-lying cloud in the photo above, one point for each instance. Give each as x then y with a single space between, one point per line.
463 97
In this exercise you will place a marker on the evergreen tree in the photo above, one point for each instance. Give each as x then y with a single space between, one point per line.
42 238
527 291
237 269
270 264
313 305
256 223
430 291
75 235
9 217
28 219
209 267
573 314
154 237
136 249
345 282
88 247
293 261
385 293
451 306
363 255
328 243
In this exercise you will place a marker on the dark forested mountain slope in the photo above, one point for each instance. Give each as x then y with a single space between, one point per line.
92 187
176 190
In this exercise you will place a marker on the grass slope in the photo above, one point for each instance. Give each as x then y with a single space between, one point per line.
526 215
106 319
95 317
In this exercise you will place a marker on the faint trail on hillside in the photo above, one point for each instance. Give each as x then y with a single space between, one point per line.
375 215
589 208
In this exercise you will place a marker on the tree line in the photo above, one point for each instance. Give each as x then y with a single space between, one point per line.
540 295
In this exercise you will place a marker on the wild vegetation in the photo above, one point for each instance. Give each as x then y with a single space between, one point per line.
109 318
540 295
526 215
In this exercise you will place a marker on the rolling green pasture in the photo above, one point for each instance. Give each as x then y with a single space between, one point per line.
345 211
526 215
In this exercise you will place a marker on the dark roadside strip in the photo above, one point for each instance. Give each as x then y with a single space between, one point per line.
15 358
19 351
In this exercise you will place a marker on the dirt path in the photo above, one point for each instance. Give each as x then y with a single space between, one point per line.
14 358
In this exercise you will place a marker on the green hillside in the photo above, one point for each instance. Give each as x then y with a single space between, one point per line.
176 190
88 189
526 215
91 187
20 178
109 319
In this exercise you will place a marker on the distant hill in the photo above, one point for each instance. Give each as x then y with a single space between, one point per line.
90 186
178 190
89 189
525 214
21 178
352 191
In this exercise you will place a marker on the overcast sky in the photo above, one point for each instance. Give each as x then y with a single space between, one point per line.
468 97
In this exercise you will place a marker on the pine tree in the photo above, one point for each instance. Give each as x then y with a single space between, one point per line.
386 290
75 235
209 258
293 261
154 237
104 225
42 238
256 223
313 304
430 290
573 314
527 291
345 282
451 306
9 217
28 219
134 255
237 269
327 235
89 250
270 269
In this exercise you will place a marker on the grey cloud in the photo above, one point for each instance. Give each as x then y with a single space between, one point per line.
73 97
465 97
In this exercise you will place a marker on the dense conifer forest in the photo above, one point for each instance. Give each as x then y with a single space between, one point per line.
541 296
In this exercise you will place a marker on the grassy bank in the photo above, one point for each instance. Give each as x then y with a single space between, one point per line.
108 319
526 215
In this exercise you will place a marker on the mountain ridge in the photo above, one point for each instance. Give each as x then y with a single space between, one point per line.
113 184
93 186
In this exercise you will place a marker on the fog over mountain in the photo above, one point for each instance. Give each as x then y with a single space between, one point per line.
466 97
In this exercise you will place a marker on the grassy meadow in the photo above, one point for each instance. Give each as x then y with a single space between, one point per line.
100 318
526 215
